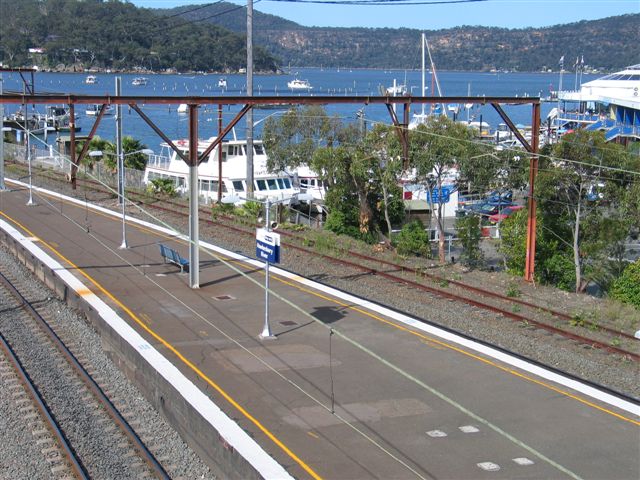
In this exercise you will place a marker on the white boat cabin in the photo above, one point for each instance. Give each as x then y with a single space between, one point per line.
234 173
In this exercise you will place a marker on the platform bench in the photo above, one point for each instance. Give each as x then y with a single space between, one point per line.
172 256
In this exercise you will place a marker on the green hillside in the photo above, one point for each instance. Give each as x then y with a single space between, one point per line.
87 34
609 43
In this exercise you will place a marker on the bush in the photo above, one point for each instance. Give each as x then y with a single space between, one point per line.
337 223
413 240
627 287
162 186
468 229
250 209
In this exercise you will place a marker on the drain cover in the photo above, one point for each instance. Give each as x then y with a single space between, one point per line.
224 297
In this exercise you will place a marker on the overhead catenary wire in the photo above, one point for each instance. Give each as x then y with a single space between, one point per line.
336 332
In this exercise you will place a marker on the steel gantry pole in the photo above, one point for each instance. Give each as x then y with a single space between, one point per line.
120 153
533 173
2 187
194 241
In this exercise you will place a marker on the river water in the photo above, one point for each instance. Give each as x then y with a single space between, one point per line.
337 82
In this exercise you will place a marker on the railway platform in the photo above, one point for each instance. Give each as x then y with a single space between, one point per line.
347 389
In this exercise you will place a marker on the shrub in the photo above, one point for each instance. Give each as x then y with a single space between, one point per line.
251 209
164 186
468 229
413 240
627 287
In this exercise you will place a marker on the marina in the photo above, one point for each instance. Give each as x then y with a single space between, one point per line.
324 81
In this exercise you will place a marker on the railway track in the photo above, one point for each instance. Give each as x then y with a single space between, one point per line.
518 310
75 425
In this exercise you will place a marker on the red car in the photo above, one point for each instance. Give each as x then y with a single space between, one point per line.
504 213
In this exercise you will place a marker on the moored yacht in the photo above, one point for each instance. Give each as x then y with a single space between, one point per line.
266 184
297 84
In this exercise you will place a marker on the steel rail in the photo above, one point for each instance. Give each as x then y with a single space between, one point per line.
40 404
111 410
442 293
485 306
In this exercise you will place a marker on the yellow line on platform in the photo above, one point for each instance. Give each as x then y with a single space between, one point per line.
421 335
177 353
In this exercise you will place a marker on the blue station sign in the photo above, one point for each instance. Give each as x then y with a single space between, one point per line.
267 245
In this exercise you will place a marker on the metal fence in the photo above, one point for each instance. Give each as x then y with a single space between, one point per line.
51 159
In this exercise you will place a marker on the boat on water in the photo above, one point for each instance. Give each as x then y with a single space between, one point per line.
396 90
436 109
610 104
91 79
297 84
183 108
139 81
266 184
222 82
94 110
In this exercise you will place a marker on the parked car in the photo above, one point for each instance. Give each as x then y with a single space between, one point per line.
504 213
485 209
500 196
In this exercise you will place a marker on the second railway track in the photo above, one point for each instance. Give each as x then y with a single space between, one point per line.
526 313
96 439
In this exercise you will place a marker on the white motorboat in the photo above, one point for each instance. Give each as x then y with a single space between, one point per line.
396 90
266 184
297 84
93 110
91 79
183 108
222 82
139 81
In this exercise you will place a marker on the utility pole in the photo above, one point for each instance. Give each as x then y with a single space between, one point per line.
250 94
2 187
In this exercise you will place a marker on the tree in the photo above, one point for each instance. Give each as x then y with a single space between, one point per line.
435 150
571 191
292 139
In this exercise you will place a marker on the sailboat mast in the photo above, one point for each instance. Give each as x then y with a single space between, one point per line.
423 71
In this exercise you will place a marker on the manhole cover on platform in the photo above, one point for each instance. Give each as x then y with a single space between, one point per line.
224 297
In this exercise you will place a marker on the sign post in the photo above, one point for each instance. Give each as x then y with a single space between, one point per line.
267 249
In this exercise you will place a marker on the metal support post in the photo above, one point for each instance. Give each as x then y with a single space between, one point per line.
27 144
72 144
533 173
194 241
120 154
2 186
250 94
266 329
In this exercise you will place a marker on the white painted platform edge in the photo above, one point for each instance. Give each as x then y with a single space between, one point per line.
228 429
400 317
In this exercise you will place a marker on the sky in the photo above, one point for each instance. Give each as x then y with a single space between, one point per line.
497 13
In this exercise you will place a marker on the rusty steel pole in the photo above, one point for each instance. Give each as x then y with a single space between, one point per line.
533 173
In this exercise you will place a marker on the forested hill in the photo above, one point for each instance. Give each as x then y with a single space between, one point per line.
115 34
96 34
609 43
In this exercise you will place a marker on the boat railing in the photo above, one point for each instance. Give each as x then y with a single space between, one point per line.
580 117
158 161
